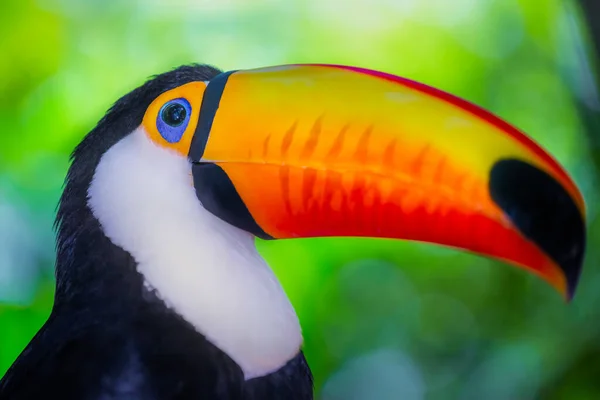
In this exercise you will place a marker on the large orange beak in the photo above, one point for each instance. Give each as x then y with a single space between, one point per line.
322 150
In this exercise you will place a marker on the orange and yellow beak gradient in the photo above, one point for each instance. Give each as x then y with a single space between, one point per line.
322 150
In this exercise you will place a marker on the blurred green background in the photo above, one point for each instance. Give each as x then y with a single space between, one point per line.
382 319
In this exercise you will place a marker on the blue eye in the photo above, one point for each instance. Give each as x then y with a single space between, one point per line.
173 118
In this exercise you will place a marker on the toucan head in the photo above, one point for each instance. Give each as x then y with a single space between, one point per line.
197 161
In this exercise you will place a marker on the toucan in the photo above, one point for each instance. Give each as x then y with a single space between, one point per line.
160 290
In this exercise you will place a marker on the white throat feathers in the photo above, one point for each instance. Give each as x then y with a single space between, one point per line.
203 268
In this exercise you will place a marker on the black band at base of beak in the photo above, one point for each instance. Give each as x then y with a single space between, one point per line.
217 194
208 110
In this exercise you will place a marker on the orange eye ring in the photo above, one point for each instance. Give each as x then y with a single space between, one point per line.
185 100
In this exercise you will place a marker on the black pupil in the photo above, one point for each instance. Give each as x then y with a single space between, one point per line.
174 114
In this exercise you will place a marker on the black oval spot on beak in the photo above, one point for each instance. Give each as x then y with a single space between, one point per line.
544 213
217 194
